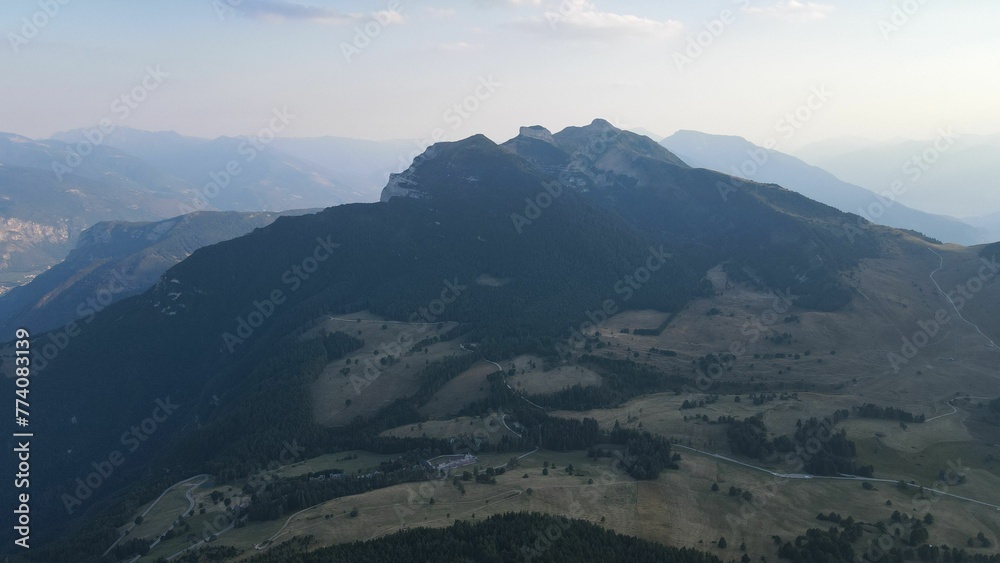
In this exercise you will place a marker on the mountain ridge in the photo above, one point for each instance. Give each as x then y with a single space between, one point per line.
732 154
115 259
223 333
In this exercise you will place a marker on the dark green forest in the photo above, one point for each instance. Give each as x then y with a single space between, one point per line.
816 447
507 537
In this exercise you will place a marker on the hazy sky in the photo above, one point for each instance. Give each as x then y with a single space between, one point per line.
231 63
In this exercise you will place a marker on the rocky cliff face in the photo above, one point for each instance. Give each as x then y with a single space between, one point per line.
112 260
537 132
404 183
22 241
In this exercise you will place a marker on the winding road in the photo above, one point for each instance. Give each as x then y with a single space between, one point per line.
190 508
953 411
948 297
504 375
828 478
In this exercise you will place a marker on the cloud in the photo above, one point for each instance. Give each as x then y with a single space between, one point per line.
794 11
281 10
441 13
509 2
388 16
460 46
582 18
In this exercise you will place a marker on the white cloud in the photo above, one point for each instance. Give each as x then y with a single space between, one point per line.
282 10
509 2
794 11
387 17
440 13
460 46
582 18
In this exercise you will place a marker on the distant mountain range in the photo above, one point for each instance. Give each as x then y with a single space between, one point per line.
252 174
51 190
739 157
957 175
42 213
990 224
114 260
49 193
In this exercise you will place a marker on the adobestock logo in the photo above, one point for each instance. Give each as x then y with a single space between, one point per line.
900 16
48 10
371 30
293 277
122 107
249 149
132 439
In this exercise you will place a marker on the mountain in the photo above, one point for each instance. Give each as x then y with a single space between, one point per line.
738 156
232 173
713 214
114 260
646 133
832 148
952 174
49 193
43 208
524 248
391 258
163 149
990 224
100 162
347 170
362 165
622 204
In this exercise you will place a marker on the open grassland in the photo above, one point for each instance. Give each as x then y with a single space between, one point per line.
489 428
532 379
678 509
594 486
782 507
202 526
833 361
917 452
350 462
464 388
974 286
208 517
337 398
845 351
161 515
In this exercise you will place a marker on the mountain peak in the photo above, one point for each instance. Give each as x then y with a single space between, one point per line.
537 132
602 124
441 163
605 143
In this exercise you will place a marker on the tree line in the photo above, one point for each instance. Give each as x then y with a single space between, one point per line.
506 537
835 454
870 410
